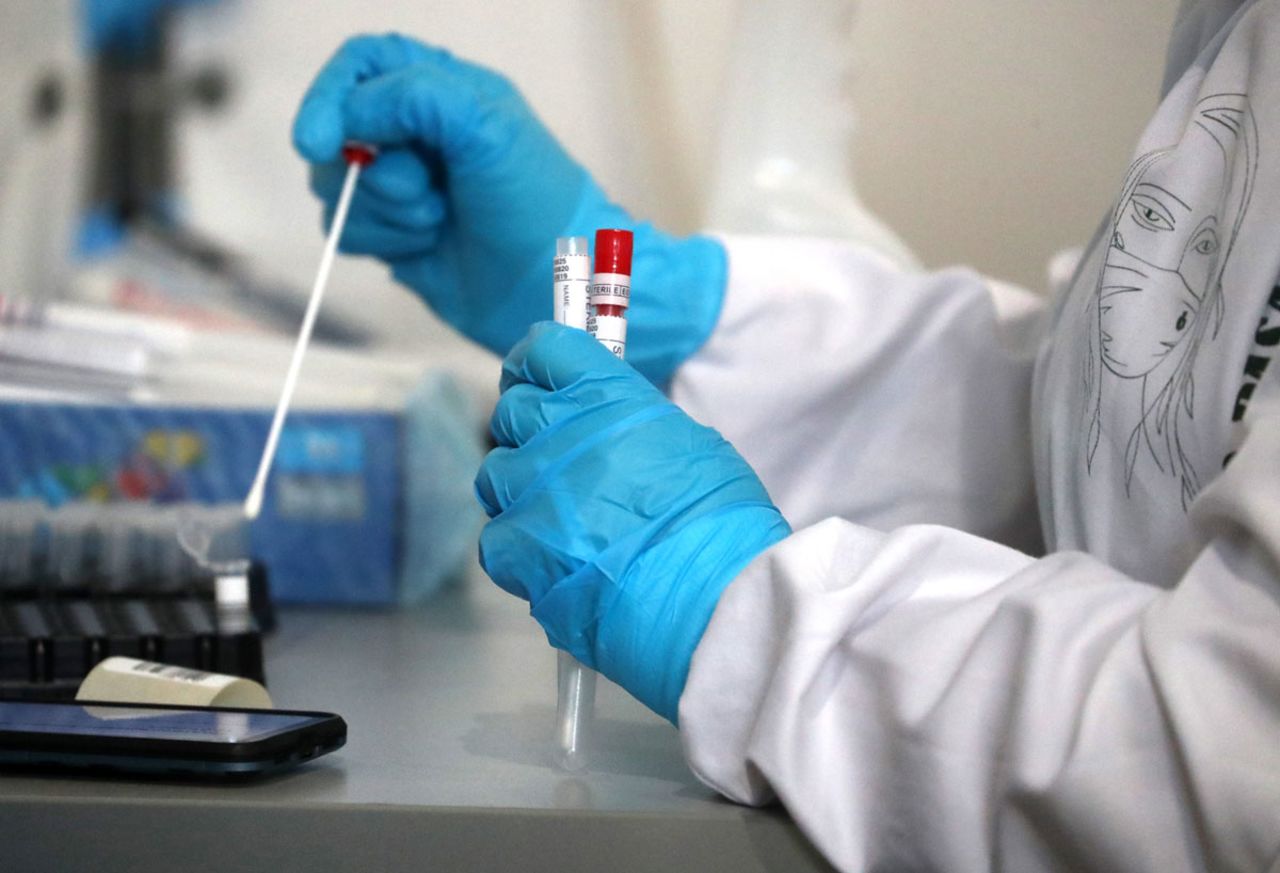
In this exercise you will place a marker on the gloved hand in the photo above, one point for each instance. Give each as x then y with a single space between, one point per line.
470 192
124 25
619 518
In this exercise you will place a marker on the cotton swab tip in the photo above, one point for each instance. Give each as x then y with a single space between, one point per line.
253 504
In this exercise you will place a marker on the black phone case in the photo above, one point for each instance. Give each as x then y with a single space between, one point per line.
173 758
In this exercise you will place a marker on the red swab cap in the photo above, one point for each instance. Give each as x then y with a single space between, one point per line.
613 251
359 153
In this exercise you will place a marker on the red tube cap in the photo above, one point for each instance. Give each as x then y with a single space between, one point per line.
613 251
359 153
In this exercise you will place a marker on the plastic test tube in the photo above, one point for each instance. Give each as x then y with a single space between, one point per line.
610 295
611 289
575 684
572 281
20 521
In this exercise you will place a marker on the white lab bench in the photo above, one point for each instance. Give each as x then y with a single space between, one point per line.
448 766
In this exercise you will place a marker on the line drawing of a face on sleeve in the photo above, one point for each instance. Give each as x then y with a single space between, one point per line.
1159 298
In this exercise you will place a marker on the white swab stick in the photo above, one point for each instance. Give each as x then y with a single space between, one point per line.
253 503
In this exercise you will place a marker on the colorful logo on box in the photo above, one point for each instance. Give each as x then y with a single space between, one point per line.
156 469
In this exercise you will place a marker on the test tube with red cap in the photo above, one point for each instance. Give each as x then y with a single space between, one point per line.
611 289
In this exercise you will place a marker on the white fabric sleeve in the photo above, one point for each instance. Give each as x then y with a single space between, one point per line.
913 389
927 700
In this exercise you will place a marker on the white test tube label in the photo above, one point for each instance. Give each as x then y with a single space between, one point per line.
572 288
611 289
611 331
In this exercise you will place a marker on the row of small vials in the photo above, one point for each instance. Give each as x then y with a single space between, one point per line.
109 547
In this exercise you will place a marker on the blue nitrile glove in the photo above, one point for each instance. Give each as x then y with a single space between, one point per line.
619 518
471 191
124 25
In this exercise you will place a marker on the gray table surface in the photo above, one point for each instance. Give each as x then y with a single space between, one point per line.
448 766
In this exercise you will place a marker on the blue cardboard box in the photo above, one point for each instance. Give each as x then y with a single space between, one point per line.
330 524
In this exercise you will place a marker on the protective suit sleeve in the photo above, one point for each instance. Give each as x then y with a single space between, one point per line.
914 386
927 700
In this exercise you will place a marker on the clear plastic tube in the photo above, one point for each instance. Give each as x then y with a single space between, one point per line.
572 281
70 529
124 546
575 710
19 523
213 537
576 684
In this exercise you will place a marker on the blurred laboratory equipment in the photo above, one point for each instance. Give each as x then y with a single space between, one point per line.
134 212
370 499
785 152
145 376
78 350
85 581
87 165
43 128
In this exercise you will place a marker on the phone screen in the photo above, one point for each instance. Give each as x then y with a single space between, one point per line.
208 726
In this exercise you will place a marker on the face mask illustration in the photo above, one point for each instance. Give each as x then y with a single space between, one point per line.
1159 296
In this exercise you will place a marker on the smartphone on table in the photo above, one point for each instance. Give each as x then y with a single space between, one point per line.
159 740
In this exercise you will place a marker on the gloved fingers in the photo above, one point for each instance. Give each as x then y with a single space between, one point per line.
501 552
367 234
522 411
493 316
398 176
319 130
425 210
459 109
507 473
431 276
554 356
501 480
532 562
325 180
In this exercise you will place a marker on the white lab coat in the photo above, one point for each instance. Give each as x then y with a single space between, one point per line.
908 675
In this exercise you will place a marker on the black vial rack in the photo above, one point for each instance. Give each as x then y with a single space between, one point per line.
49 642
63 608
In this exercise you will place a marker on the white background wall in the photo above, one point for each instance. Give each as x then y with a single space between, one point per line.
996 132
991 132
